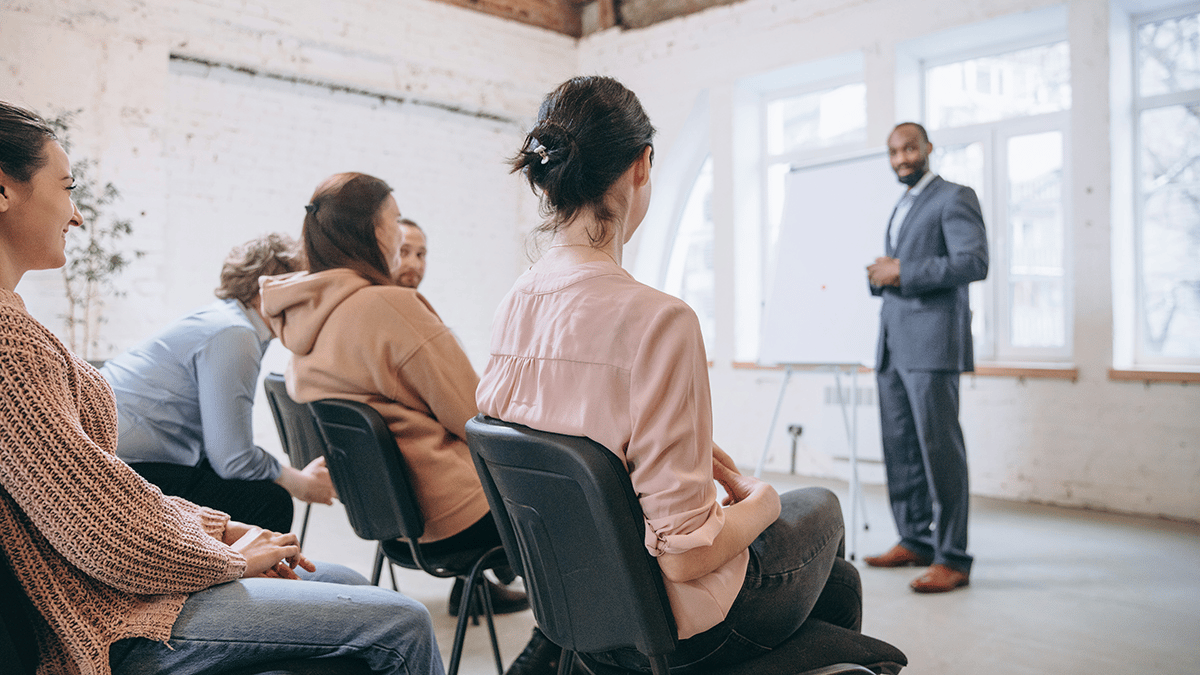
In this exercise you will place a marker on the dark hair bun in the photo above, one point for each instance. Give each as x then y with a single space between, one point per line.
590 130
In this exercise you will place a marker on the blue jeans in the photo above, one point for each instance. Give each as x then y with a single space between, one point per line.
333 612
795 571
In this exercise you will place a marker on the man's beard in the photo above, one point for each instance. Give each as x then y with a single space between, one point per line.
915 175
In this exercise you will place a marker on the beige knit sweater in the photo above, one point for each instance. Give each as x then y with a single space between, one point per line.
102 554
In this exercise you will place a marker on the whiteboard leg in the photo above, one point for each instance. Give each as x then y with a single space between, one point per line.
762 459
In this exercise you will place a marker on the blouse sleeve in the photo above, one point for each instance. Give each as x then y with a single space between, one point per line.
670 447
91 507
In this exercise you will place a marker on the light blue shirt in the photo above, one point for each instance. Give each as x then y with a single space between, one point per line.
905 205
186 394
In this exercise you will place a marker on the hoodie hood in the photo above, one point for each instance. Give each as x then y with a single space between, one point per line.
297 305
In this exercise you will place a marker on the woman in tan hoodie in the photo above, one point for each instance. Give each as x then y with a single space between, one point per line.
355 334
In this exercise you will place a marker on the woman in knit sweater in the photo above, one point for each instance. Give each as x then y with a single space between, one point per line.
121 578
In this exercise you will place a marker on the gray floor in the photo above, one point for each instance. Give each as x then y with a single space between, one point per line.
1053 590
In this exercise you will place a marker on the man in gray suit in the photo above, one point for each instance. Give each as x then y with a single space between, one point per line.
936 246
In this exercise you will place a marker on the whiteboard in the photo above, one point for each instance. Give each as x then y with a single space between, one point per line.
818 308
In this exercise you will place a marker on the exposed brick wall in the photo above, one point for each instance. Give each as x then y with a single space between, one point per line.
208 158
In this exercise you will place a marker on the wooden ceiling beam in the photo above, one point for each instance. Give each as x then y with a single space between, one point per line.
560 16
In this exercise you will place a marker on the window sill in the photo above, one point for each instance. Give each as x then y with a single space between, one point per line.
1148 376
751 365
1047 371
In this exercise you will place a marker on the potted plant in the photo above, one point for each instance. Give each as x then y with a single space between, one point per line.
96 259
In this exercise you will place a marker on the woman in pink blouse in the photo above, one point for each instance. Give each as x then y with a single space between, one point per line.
581 348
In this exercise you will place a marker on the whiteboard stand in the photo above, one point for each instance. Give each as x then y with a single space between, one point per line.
850 420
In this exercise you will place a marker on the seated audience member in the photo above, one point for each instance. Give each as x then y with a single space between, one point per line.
122 579
411 265
185 396
354 334
578 332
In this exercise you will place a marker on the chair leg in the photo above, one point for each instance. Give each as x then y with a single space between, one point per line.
475 580
304 524
377 570
392 574
566 662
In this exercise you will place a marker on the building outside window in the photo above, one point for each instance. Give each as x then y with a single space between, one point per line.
1166 113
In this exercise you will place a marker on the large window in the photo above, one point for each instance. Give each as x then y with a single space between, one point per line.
802 126
1167 183
998 122
690 274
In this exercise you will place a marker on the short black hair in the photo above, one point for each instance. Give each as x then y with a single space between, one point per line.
920 129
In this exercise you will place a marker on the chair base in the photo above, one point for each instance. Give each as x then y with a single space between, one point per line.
817 648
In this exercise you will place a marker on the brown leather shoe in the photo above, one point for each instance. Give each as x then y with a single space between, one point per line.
897 556
939 579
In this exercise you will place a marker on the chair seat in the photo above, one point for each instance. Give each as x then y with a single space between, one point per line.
817 647
454 563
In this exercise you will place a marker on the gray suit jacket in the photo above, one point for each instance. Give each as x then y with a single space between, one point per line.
925 323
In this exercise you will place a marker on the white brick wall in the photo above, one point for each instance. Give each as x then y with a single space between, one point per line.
206 159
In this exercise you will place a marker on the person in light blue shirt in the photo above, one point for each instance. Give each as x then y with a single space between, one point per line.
185 399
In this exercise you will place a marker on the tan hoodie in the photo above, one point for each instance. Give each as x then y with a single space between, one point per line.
385 346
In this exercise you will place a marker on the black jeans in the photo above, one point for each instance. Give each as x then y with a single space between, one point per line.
255 502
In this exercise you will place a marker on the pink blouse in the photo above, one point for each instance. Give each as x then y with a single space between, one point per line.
591 352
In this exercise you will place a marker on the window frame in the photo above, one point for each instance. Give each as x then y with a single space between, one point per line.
1140 104
995 345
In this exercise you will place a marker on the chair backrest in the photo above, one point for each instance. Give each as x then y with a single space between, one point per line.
573 528
368 471
297 429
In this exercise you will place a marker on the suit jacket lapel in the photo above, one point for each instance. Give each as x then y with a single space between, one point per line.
921 200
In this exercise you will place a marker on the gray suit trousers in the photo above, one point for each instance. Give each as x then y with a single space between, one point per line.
926 461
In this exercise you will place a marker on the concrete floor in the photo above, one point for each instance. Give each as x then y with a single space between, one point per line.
1053 590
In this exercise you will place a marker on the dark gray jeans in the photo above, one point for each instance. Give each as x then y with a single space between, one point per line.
796 571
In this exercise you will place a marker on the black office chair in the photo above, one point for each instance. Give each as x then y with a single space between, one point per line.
574 530
372 481
297 431
302 442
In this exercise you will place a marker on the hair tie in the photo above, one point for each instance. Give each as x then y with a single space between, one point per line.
541 151
311 208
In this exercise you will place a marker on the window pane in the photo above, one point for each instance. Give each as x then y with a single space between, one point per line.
817 120
1169 55
987 89
1035 243
1170 232
690 271
963 164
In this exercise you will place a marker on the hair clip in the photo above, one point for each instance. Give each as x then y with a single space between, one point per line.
541 151
311 208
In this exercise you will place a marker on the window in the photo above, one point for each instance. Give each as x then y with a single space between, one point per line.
802 114
1166 104
801 126
818 120
690 275
999 124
